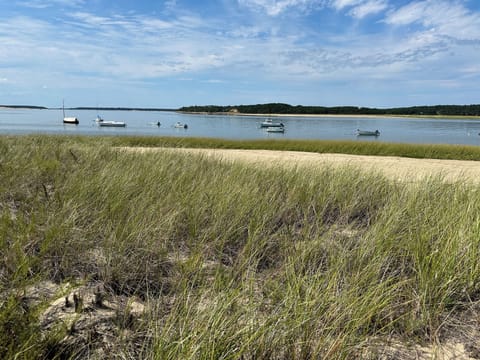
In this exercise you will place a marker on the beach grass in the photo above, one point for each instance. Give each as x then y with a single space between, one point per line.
228 261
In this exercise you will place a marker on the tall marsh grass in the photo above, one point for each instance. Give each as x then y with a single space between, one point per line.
231 261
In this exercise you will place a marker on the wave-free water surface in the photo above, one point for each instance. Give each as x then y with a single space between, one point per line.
143 123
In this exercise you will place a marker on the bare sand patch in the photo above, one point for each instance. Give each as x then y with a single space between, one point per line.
393 167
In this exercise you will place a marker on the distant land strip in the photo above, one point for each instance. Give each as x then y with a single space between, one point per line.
280 108
86 108
23 107
121 109
286 109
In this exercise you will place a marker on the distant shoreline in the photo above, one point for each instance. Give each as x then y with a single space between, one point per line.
383 116
279 115
276 109
32 107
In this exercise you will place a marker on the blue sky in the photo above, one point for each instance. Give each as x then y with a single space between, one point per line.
376 53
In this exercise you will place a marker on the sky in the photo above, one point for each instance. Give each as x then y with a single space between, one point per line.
173 53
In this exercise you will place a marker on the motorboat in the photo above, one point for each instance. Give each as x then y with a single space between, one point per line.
359 132
269 123
104 123
275 129
179 125
101 122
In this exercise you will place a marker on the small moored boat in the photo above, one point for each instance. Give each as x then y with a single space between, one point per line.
104 123
179 125
269 123
67 119
275 129
359 132
70 120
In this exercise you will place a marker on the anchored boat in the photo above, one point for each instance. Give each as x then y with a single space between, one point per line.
179 125
104 123
359 132
275 129
269 123
101 122
66 119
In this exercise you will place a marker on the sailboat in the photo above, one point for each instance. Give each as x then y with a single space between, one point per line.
68 120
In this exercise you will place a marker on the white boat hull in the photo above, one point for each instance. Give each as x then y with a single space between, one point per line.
70 120
112 124
267 124
279 129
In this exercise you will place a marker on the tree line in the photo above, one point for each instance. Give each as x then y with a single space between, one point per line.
23 107
280 108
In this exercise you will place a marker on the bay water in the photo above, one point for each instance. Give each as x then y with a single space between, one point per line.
144 123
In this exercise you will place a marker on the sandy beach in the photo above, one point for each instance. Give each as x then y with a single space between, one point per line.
395 168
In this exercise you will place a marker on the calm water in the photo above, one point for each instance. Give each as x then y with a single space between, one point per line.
432 131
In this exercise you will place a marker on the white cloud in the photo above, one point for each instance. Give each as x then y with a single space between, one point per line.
152 24
446 18
94 20
247 31
470 70
157 48
341 4
360 8
215 81
43 4
276 7
368 8
84 48
408 14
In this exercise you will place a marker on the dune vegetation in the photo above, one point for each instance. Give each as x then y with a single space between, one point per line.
113 254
